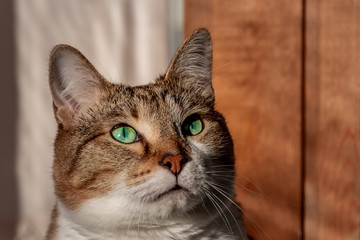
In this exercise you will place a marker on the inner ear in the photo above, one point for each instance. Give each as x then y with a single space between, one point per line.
74 82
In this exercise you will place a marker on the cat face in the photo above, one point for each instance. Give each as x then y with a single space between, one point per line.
146 151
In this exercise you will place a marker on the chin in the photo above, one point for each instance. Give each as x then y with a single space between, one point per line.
172 204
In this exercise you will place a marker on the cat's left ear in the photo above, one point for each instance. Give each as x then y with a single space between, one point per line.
192 63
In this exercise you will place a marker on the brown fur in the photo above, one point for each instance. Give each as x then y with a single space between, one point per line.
77 149
84 134
87 158
53 226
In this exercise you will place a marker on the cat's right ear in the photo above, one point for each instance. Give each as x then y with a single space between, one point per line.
74 82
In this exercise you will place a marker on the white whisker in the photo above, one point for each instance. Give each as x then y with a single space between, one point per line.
234 182
257 226
219 210
230 214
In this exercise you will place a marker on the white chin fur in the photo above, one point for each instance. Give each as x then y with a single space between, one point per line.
147 203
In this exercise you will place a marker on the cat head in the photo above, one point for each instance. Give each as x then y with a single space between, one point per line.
149 150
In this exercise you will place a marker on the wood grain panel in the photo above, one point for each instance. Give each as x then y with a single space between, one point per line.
332 186
257 80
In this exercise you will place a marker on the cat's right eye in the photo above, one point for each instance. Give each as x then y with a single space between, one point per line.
124 134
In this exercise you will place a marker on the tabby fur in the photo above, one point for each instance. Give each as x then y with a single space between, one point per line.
106 189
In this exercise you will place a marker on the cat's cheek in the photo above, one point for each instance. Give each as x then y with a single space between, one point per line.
198 147
110 211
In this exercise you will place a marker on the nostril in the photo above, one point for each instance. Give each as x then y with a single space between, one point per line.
168 164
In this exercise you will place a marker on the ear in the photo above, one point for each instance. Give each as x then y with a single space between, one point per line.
75 84
192 63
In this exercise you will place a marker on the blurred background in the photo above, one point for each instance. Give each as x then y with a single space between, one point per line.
286 77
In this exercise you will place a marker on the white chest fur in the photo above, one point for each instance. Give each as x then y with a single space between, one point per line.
67 229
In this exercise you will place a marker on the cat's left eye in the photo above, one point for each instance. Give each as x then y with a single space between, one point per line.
192 126
124 134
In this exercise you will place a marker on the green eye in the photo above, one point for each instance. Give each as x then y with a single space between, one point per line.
124 134
193 126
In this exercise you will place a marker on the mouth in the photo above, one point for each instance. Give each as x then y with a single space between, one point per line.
176 189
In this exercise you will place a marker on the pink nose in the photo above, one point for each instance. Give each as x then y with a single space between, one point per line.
175 163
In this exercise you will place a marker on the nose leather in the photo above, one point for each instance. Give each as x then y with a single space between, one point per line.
175 163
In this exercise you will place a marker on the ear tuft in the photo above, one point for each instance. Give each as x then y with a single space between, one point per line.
74 82
193 60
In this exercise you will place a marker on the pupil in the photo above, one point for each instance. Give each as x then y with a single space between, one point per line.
124 132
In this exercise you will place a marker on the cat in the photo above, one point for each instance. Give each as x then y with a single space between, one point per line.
146 162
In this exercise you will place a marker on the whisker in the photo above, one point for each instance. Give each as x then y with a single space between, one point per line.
242 186
204 205
251 181
224 165
242 236
221 186
224 65
132 215
238 175
219 210
227 171
236 183
140 213
257 226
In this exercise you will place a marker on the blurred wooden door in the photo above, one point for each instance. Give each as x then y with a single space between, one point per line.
286 77
332 123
